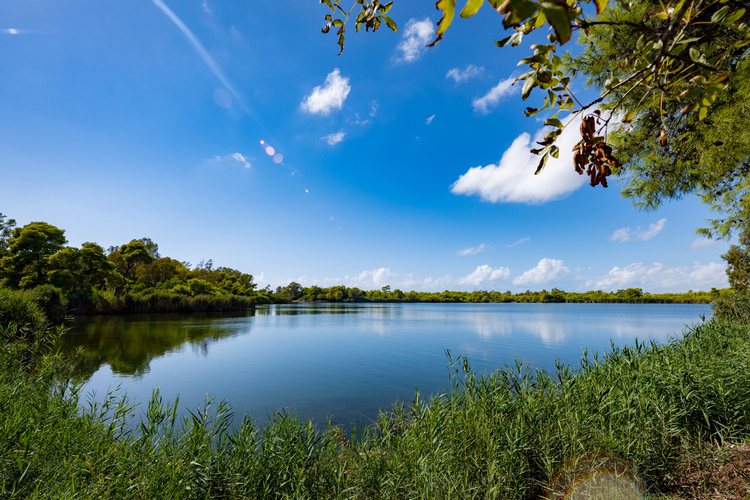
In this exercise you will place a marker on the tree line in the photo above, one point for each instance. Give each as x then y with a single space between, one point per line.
135 277
132 277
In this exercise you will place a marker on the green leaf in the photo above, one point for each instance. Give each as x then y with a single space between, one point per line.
527 86
695 54
471 8
504 41
629 117
555 151
702 112
449 9
734 17
516 11
390 23
531 111
542 163
525 76
558 17
385 8
720 14
553 122
600 5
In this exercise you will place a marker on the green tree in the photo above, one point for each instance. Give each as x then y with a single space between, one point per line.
738 262
26 261
130 255
81 269
6 232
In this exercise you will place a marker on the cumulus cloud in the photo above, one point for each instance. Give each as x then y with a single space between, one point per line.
334 138
519 242
429 120
484 274
512 180
658 277
625 234
547 270
462 75
414 40
472 250
329 97
238 157
487 102
376 278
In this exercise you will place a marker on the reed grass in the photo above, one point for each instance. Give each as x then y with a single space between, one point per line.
159 302
500 435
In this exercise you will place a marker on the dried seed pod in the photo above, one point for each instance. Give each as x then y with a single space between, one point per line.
663 138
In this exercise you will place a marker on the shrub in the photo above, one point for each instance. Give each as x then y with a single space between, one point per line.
734 305
52 303
21 308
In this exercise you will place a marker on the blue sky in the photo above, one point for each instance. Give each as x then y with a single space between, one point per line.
393 164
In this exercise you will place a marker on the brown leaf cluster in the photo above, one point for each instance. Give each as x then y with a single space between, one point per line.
592 154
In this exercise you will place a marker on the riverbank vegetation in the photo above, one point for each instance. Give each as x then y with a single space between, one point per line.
135 278
649 409
130 278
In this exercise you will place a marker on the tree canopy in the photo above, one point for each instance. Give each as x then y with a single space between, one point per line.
671 115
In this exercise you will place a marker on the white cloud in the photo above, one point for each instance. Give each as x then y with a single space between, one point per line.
512 180
329 97
657 277
472 250
204 3
238 157
414 40
376 278
702 243
624 234
484 274
547 270
374 108
429 120
462 75
519 242
487 102
335 138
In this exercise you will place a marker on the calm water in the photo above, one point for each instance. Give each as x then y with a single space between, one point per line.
346 361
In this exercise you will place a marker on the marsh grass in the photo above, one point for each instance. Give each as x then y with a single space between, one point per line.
99 302
501 435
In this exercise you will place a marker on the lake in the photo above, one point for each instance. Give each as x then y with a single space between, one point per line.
345 361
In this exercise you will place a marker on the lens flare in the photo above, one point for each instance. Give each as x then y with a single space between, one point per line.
278 158
306 191
597 474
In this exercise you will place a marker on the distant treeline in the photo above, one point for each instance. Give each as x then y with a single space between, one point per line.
296 292
135 278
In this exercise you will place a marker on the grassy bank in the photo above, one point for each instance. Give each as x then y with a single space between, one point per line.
496 436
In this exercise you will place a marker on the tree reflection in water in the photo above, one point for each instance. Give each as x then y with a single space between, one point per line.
129 343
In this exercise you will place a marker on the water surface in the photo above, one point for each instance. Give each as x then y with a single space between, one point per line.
346 361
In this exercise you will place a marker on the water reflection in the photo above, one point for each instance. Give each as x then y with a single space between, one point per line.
128 343
345 360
